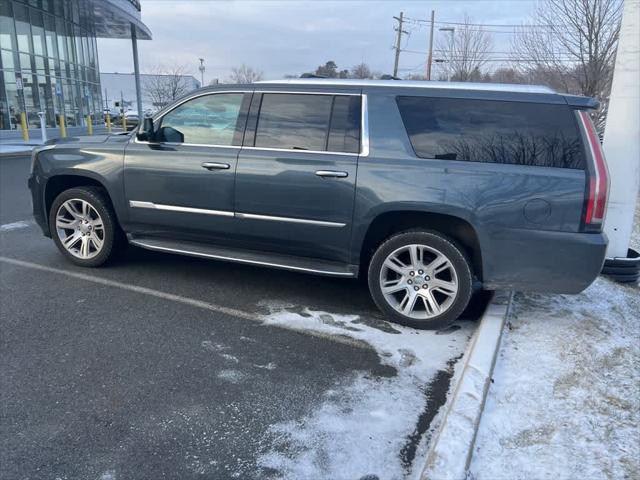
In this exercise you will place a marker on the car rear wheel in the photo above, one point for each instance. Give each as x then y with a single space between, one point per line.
420 279
83 226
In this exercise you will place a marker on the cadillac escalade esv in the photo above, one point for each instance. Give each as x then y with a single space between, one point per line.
427 189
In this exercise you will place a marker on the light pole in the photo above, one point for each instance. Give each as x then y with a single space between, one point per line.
453 31
201 68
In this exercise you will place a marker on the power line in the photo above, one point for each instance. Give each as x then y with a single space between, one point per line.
490 25
420 52
481 30
421 21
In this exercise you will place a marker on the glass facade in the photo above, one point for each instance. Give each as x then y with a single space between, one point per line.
48 63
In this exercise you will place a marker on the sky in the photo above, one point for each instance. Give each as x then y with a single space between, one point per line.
291 37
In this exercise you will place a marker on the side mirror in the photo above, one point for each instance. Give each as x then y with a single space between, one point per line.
170 135
146 133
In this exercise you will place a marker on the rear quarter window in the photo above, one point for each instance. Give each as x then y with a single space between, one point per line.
516 133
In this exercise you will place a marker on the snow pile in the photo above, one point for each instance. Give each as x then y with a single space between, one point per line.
565 403
451 447
362 426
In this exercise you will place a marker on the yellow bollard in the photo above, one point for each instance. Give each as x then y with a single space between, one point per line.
108 123
24 127
89 125
124 123
63 128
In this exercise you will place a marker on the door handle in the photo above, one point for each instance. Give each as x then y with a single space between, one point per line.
331 174
216 166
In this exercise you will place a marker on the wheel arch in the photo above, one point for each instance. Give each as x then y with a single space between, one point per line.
57 184
387 223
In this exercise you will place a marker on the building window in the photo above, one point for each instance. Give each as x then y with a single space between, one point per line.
48 63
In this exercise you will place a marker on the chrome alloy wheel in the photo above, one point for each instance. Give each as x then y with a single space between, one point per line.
80 228
418 281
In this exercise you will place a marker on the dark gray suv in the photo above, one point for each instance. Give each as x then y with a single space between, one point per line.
428 189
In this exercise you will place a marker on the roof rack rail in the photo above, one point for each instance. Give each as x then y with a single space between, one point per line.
427 84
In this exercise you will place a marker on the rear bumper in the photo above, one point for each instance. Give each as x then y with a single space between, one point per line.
542 261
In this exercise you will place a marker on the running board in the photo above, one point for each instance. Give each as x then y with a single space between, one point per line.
252 257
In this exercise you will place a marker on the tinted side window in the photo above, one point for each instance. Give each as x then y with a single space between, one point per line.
293 121
492 131
344 133
209 120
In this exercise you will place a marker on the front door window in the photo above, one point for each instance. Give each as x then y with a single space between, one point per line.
205 120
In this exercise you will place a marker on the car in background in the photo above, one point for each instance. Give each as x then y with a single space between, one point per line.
131 117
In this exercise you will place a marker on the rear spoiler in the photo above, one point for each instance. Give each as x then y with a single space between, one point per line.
582 102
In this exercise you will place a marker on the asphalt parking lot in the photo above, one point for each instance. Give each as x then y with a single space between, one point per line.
161 366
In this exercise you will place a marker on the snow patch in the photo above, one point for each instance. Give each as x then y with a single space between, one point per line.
7 227
565 400
268 366
231 376
108 475
362 424
213 347
229 358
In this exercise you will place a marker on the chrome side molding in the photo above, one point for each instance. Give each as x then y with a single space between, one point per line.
174 208
224 213
322 223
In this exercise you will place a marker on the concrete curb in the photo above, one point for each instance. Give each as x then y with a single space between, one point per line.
449 455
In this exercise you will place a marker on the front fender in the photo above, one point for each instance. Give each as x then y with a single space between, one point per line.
101 164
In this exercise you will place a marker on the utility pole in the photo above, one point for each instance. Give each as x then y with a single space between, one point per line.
430 57
398 40
201 68
136 71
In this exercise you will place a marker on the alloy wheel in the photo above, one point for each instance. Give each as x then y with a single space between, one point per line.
418 281
80 228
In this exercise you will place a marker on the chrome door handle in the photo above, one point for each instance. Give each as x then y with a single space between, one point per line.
331 174
216 166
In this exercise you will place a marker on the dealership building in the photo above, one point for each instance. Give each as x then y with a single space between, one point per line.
49 58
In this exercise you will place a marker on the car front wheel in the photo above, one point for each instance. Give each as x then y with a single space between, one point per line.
83 226
420 279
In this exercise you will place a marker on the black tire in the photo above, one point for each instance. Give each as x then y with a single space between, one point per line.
442 244
97 198
625 277
630 269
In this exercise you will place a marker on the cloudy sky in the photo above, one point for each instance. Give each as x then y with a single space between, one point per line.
291 37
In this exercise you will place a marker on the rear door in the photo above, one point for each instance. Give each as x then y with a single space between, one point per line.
181 184
296 173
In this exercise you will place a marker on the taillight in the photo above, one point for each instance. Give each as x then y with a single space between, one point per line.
597 177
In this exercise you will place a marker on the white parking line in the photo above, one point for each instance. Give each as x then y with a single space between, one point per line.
7 227
212 307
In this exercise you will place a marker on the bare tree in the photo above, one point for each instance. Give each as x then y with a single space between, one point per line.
361 70
572 47
165 84
466 51
244 74
506 75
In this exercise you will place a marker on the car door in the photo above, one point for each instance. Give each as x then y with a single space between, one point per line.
296 173
181 183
